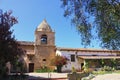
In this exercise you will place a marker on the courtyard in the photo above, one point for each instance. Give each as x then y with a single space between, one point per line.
53 76
63 76
113 76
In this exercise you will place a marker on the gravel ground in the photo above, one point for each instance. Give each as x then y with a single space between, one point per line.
112 76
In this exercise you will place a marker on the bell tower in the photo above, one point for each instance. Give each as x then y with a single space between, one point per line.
44 45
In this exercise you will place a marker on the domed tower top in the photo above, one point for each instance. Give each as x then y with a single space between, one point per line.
44 26
44 34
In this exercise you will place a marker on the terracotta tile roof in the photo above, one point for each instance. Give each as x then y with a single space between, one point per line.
99 57
86 49
25 43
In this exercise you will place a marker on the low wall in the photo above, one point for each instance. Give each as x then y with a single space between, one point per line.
77 76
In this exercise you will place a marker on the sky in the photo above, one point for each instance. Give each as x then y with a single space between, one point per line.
30 13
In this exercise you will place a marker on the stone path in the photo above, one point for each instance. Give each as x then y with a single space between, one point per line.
113 76
63 76
46 76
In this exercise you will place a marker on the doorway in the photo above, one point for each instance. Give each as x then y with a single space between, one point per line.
31 67
82 64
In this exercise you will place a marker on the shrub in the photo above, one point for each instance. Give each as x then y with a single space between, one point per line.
73 69
59 61
107 68
43 69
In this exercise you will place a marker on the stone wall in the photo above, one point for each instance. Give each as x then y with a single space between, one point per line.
43 56
77 76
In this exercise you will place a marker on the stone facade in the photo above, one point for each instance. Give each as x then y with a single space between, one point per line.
40 52
77 57
44 45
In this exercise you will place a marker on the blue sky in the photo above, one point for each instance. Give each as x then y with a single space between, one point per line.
30 14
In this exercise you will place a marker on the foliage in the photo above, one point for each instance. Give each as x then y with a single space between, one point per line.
86 66
100 72
114 63
59 61
19 67
105 72
73 69
111 62
102 62
95 19
44 69
107 68
9 48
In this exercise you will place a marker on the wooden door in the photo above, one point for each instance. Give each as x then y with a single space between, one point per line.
31 67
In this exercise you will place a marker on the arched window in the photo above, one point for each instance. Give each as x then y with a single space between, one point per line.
44 39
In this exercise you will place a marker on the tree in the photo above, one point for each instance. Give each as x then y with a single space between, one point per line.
100 16
10 50
59 61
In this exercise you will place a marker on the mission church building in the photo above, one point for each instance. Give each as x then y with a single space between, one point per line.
40 52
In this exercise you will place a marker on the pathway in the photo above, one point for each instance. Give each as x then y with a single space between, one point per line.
113 76
46 76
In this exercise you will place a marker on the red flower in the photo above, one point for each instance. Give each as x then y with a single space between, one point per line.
59 61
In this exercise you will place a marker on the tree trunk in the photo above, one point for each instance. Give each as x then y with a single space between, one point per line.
59 69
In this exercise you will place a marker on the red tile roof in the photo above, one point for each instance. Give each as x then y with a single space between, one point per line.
86 49
99 57
25 43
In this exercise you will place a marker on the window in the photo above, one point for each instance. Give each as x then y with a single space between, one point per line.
43 39
72 58
30 57
44 59
94 55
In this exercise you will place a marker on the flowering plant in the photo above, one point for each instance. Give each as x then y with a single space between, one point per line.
59 60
